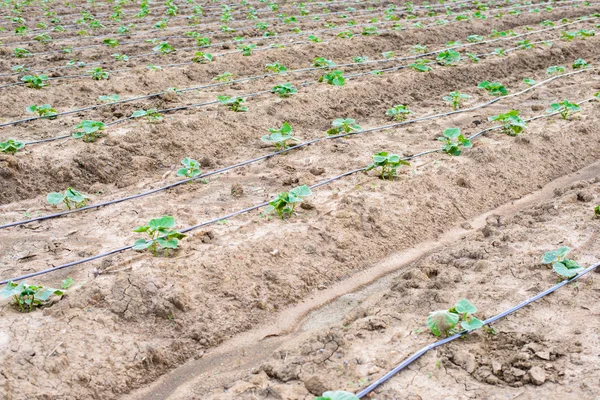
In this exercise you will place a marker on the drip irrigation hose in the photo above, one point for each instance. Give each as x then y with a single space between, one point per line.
488 321
246 210
300 145
96 106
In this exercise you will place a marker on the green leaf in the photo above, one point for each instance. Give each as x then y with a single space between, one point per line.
55 198
464 306
471 325
138 113
301 191
562 270
142 244
45 293
452 133
338 395
165 221
440 322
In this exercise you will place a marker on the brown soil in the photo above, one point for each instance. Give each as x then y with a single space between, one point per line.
132 318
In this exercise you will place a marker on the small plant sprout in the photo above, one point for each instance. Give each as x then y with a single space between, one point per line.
284 90
419 48
335 78
151 114
359 59
233 103
202 58
561 265
421 65
246 49
275 68
555 70
88 130
191 169
453 140
26 297
111 42
512 124
44 111
389 164
21 53
280 137
111 98
285 202
161 235
445 322
322 62
388 54
493 88
71 197
11 146
343 125
448 57
580 63
565 108
597 211
529 81
399 112
98 74
67 283
224 77
35 81
163 48
455 98
337 395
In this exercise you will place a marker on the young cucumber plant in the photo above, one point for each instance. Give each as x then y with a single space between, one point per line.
389 164
26 297
448 57
88 130
453 141
399 112
275 68
337 395
555 70
72 198
233 103
512 124
98 74
44 111
191 169
455 98
152 115
202 58
421 65
161 235
445 322
11 146
493 88
284 90
280 137
285 202
343 125
561 265
35 81
565 108
335 78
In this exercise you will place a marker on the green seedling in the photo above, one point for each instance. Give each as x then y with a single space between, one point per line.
19 68
525 44
343 125
284 90
21 53
280 137
153 67
161 235
152 115
529 81
399 112
335 78
26 297
455 98
473 57
565 108
202 58
314 39
163 48
580 63
418 48
421 65
285 202
88 130
389 164
474 38
512 124
191 169
233 103
120 57
275 68
555 70
387 54
35 81
67 283
337 395
493 88
202 41
596 210
448 57
359 59
44 111
247 49
224 77
43 38
453 141
369 30
111 98
321 62
98 74
11 146
345 34
445 322
111 42
71 197
563 266
499 52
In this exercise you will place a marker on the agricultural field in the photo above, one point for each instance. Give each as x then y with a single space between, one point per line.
269 199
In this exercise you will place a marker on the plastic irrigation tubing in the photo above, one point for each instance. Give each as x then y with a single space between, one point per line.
235 51
243 211
236 213
262 76
449 339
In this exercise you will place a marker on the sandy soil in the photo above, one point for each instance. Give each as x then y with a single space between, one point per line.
132 318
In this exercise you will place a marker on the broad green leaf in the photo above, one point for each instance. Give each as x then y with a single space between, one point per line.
440 322
142 244
165 221
55 198
464 306
562 270
337 395
471 325
301 191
